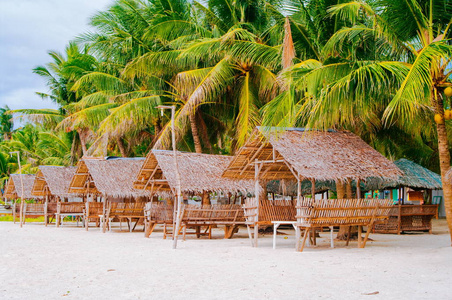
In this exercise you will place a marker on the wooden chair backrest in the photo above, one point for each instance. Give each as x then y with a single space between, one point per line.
94 209
34 208
269 210
159 212
219 213
125 209
70 207
336 212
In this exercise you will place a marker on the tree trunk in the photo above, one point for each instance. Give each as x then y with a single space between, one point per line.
204 131
349 192
82 135
340 189
121 147
444 160
341 194
74 150
194 132
205 199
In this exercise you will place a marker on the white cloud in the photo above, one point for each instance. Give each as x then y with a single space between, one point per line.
21 98
28 30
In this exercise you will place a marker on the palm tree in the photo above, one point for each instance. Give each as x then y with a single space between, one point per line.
6 123
385 67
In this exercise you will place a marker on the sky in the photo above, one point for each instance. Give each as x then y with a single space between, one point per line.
28 30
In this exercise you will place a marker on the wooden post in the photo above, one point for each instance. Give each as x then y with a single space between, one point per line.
348 188
46 203
358 188
313 189
256 192
205 199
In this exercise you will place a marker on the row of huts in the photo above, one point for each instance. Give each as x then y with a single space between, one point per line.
268 162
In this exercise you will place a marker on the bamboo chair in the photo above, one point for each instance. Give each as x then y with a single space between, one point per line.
69 209
158 213
121 211
93 211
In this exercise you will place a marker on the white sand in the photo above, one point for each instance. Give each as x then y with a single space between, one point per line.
53 263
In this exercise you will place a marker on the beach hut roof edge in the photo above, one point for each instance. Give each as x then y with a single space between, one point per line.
199 173
311 154
13 186
107 177
53 180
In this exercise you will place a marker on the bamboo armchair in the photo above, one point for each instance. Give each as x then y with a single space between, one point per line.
158 213
265 213
121 211
313 214
65 209
93 211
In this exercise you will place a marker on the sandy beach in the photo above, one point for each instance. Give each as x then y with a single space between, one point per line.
58 263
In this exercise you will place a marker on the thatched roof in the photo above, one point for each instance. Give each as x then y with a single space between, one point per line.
414 176
53 181
199 173
112 177
13 189
320 155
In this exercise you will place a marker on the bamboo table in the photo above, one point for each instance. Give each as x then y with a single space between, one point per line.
276 225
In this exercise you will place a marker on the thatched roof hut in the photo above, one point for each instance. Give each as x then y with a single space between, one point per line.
309 154
53 181
199 173
13 189
111 177
414 176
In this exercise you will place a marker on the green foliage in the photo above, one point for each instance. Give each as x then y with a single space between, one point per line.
365 66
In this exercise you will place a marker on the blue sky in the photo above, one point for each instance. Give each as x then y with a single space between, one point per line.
28 30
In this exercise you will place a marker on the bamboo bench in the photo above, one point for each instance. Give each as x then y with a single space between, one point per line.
93 210
194 216
66 209
313 214
36 209
121 211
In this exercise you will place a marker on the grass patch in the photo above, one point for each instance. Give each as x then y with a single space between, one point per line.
9 218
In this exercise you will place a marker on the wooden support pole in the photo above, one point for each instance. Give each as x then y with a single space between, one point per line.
313 188
257 168
358 188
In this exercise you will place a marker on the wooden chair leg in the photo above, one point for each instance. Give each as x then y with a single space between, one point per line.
250 235
297 238
360 231
164 231
256 234
306 233
185 232
348 235
210 232
366 236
